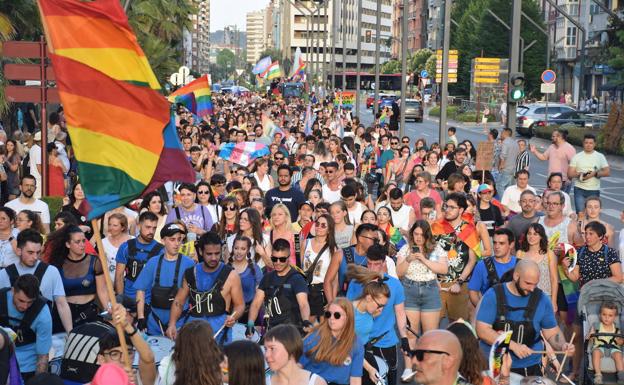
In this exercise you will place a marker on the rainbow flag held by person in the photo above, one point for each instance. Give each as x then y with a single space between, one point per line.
269 127
188 101
243 153
274 71
115 118
298 66
468 234
498 349
200 88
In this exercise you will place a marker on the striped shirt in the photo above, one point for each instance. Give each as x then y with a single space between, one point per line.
522 161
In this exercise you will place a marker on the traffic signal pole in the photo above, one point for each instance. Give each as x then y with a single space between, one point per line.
514 59
446 42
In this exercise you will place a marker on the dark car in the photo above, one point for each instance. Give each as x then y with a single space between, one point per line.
414 110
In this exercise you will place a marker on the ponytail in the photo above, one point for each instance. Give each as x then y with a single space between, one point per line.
373 282
250 262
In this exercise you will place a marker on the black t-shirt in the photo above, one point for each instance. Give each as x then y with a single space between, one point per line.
492 218
292 198
448 169
297 282
79 362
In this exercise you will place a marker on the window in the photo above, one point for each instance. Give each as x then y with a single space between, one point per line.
571 36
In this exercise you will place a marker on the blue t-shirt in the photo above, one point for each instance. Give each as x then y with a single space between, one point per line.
342 270
363 324
206 282
338 374
143 250
250 281
147 279
544 318
42 326
386 321
479 280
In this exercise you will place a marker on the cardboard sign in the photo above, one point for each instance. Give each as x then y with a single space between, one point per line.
347 98
485 156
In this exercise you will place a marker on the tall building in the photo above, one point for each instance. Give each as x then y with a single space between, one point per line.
256 35
416 26
198 39
311 28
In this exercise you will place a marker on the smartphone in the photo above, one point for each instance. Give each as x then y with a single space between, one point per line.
415 249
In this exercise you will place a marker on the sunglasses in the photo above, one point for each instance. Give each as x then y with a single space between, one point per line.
322 225
329 314
279 158
420 353
405 141
230 208
279 259
203 192
379 305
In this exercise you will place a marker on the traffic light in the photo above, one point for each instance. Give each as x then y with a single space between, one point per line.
516 87
369 36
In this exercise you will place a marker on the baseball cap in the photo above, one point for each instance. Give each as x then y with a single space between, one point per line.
171 229
306 203
484 188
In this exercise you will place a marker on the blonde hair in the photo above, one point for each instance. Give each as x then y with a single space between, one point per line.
281 206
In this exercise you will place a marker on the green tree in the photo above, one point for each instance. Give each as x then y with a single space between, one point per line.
616 52
419 59
391 67
226 61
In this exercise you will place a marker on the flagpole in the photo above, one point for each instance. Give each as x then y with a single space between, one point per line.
121 334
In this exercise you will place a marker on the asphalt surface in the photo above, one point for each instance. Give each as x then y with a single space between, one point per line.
612 193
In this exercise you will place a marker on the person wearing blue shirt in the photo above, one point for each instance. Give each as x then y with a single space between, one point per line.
160 280
392 316
214 290
489 271
520 305
134 254
249 272
333 350
26 312
366 236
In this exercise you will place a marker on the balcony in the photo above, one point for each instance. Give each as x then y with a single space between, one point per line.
566 53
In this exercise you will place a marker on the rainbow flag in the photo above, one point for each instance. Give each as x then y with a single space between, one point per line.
114 115
467 233
498 349
274 71
269 127
298 66
200 89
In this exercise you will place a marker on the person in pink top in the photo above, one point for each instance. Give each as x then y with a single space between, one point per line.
422 190
559 154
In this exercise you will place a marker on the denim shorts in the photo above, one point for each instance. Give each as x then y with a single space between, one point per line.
421 296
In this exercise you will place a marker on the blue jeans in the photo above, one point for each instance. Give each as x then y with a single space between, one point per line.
580 195
503 181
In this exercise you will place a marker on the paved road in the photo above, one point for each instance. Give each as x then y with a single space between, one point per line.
612 193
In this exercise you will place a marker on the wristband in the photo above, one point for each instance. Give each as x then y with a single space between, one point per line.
251 323
133 332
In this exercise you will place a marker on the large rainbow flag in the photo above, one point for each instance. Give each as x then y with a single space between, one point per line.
114 115
200 89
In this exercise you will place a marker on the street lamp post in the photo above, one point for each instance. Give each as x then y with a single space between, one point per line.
359 58
344 45
403 66
377 43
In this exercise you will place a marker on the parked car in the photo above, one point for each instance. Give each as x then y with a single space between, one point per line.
414 110
528 115
568 117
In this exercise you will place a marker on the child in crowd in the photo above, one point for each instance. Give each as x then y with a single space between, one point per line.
607 346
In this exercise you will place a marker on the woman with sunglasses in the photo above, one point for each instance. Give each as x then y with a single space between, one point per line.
250 226
82 276
318 254
342 224
333 350
206 198
228 224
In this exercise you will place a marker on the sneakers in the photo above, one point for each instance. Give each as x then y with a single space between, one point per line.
406 376
598 379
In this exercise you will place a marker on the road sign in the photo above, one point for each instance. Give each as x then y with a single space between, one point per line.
547 88
549 76
488 70
453 65
493 60
424 74
487 80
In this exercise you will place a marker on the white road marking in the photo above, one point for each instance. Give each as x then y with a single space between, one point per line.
611 213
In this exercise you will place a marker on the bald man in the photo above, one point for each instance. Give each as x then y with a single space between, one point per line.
436 358
522 307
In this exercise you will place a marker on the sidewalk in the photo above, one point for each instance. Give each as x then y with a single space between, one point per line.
616 162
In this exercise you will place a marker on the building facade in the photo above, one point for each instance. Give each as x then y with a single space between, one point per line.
199 57
416 26
256 34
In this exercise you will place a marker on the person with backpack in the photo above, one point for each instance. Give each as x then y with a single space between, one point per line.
524 309
134 254
283 292
493 270
213 289
196 217
23 310
29 247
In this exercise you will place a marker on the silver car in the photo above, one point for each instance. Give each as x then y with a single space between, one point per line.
413 110
529 114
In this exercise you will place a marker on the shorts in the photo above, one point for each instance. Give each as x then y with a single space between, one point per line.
562 304
455 306
607 351
316 299
421 296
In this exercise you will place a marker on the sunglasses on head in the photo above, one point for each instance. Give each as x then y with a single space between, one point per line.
420 353
279 259
329 314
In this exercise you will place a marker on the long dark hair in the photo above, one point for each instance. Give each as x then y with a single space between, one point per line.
245 363
221 228
250 262
427 234
473 362
196 355
148 198
539 229
331 234
255 220
59 249
310 186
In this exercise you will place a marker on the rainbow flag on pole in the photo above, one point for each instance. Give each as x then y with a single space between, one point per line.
200 89
114 115
274 71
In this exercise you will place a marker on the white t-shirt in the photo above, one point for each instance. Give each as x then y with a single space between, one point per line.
511 197
111 256
330 195
401 218
35 159
38 206
51 284
355 214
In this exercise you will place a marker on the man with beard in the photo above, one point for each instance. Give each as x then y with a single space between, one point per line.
559 154
27 201
284 193
213 290
521 307
134 254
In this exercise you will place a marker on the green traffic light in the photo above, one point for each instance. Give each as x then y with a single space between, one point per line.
517 94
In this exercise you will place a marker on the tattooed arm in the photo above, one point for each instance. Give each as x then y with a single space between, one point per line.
557 340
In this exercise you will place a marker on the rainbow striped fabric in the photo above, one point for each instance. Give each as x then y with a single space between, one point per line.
200 89
114 115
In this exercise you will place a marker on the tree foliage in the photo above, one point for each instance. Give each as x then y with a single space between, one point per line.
391 67
418 61
616 52
480 34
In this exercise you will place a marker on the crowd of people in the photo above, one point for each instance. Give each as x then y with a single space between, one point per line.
343 254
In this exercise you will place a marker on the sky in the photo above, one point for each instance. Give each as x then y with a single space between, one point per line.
230 12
